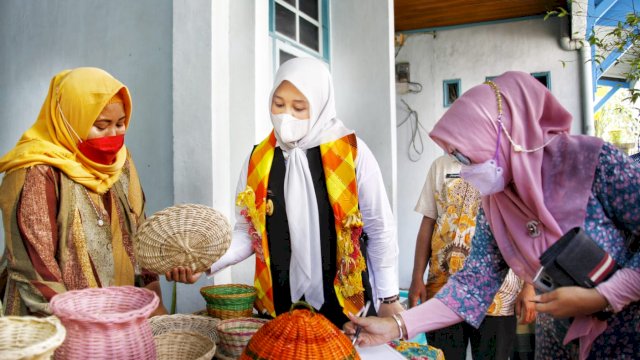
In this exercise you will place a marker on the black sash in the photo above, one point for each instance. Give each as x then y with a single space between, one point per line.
280 242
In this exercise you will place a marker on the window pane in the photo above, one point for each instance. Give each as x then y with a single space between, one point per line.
309 34
452 92
291 2
309 7
285 56
285 21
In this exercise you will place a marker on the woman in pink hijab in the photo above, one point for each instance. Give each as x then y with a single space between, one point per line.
538 182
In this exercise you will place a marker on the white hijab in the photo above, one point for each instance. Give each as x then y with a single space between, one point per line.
312 78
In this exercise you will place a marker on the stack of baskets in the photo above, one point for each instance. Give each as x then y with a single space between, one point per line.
182 336
229 301
106 323
300 334
28 337
190 235
235 334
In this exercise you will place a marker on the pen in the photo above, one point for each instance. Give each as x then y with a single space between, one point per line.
358 328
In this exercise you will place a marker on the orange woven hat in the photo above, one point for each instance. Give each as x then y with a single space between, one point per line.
300 334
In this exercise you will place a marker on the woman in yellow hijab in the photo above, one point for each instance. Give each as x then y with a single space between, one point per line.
71 199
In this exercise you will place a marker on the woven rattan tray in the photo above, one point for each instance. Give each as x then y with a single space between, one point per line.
190 235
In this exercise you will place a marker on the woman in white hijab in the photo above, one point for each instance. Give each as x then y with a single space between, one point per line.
313 208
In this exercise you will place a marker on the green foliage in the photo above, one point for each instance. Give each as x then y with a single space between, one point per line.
622 38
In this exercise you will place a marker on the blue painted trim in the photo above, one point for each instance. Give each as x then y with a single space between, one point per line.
272 16
544 73
601 9
297 45
445 90
610 93
611 60
463 26
614 82
326 27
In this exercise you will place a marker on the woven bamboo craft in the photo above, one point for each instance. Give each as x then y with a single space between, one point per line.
28 337
190 235
229 301
106 323
300 334
184 346
235 334
203 325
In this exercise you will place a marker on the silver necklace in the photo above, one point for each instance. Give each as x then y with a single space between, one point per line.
98 215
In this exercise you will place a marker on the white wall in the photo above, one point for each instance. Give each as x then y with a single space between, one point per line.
470 54
40 38
362 66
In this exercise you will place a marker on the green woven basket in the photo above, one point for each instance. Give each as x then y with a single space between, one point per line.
229 301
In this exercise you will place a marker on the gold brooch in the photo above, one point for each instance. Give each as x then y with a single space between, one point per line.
269 207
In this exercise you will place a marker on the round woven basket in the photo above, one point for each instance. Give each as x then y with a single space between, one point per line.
203 325
184 345
106 323
229 301
235 334
28 337
300 334
189 235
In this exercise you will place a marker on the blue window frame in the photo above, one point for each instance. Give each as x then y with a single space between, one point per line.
451 91
299 28
544 78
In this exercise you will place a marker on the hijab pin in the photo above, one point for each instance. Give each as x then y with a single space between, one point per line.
532 228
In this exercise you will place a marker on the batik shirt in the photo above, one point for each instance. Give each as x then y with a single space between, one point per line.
454 204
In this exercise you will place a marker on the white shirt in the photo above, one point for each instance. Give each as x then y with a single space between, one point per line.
379 224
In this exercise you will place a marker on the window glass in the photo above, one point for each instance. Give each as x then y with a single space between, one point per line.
309 35
285 21
309 7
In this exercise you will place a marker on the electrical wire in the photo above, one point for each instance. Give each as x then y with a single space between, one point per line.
416 144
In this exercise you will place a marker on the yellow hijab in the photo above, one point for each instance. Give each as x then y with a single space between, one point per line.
80 94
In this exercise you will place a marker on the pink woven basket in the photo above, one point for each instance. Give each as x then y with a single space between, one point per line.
106 323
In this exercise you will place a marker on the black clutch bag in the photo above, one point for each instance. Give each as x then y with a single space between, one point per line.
574 260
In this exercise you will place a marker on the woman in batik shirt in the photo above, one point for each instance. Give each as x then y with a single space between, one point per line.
71 199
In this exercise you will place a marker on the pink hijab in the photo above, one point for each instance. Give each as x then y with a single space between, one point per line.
550 186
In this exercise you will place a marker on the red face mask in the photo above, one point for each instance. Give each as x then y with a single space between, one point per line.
102 150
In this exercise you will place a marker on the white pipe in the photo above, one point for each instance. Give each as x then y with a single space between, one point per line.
586 81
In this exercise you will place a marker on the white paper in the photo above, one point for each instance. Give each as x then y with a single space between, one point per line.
379 352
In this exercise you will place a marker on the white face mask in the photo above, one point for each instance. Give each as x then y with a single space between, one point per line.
486 177
289 128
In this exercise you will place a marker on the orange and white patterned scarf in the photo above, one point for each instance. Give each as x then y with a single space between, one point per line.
338 161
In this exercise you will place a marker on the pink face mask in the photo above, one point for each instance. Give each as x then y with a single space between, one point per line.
102 150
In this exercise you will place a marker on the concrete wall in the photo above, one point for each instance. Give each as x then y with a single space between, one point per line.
362 66
470 54
40 38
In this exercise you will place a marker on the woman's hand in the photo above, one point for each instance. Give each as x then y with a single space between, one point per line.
525 305
390 309
417 292
183 275
375 330
570 301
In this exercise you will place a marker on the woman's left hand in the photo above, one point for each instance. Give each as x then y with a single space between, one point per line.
525 305
390 309
570 301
